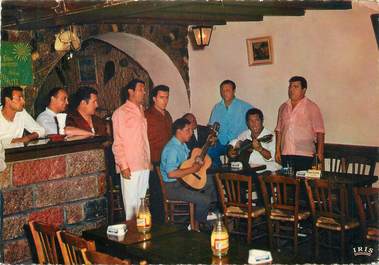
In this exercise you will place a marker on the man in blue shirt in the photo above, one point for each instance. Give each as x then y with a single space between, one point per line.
230 113
174 154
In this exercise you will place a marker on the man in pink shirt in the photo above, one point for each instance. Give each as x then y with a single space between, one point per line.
300 126
131 147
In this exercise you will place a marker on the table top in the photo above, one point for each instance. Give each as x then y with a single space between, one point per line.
245 171
355 180
166 244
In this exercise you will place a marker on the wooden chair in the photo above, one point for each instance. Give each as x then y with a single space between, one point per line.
329 207
116 210
45 241
335 164
95 257
176 208
367 201
73 248
360 165
282 207
233 190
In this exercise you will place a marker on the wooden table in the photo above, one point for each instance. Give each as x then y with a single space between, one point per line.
166 244
250 171
351 180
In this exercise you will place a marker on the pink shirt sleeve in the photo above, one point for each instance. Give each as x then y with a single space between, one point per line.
120 140
279 122
317 120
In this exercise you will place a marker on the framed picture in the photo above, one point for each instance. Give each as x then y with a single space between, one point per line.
259 50
87 69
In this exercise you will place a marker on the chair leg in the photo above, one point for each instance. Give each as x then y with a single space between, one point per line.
270 232
193 222
295 237
172 214
342 244
249 221
317 245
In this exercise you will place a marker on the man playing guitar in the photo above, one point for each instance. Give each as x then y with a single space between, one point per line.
174 154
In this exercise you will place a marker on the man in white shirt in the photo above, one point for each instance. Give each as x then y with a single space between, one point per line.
263 152
14 118
57 103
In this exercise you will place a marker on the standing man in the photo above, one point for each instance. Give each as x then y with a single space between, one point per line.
14 119
230 113
174 154
300 126
131 147
200 132
159 124
57 103
83 117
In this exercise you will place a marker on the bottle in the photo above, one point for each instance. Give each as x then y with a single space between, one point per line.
143 217
219 239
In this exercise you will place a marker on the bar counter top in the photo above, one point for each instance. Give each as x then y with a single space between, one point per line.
46 147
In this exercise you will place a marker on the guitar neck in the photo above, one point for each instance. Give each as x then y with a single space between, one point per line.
204 150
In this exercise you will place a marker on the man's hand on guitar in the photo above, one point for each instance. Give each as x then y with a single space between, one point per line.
256 145
199 160
196 167
125 173
212 139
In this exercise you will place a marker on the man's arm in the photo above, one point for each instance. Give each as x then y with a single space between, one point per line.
71 131
26 138
278 139
320 147
179 173
32 126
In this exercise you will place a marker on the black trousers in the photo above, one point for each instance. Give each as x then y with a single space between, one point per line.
156 198
298 162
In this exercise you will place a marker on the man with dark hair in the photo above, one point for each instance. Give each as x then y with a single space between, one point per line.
159 123
174 154
131 147
57 101
230 113
14 119
200 132
299 125
83 116
263 151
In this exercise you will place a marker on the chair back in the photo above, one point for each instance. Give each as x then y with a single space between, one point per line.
233 190
360 165
95 257
280 193
45 241
367 202
327 199
163 188
335 164
74 247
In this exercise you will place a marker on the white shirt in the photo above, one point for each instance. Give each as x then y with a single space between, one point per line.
255 156
15 129
47 120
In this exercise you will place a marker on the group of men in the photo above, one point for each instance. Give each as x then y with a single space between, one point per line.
146 140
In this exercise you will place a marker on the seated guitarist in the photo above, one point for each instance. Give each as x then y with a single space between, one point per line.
262 152
174 154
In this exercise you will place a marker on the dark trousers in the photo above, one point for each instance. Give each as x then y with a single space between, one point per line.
298 162
156 198
202 199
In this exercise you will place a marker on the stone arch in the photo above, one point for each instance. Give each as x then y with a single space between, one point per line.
156 62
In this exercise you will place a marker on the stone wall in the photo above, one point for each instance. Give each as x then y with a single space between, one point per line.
66 190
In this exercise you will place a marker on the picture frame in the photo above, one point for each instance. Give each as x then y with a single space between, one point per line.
259 50
87 70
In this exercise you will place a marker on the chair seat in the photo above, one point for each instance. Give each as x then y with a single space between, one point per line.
235 211
333 224
282 215
372 233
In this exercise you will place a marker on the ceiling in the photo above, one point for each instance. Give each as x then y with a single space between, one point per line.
37 14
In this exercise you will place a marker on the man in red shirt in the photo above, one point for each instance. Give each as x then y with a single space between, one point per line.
300 126
159 124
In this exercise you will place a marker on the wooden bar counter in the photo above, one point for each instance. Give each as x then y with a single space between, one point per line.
60 183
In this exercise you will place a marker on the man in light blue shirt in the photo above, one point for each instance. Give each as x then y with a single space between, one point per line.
174 154
230 113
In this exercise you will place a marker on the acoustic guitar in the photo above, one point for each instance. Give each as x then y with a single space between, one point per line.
198 180
246 145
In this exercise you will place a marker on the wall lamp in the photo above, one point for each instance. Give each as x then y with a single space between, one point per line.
202 35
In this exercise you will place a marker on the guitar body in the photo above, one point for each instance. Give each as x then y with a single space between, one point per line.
197 180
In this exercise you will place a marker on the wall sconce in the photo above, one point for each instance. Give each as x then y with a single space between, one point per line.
202 35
